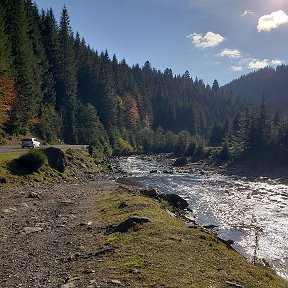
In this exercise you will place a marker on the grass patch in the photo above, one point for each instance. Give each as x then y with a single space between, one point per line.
78 165
6 158
163 252
29 162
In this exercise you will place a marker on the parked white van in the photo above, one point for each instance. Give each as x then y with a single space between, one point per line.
30 143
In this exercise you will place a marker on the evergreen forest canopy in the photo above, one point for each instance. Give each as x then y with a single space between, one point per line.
53 85
268 82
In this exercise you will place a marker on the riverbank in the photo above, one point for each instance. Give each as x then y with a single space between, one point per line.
63 235
57 236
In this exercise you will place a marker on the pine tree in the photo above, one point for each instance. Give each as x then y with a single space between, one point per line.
7 84
107 98
89 128
67 82
28 72
5 48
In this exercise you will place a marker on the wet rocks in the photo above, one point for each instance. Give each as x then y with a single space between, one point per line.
127 224
152 193
210 226
180 162
175 200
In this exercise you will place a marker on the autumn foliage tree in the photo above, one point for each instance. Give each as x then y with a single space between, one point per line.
132 114
7 98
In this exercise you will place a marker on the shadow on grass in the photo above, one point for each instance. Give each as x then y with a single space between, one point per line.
16 169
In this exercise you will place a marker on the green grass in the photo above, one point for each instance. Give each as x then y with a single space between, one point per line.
78 164
165 252
5 158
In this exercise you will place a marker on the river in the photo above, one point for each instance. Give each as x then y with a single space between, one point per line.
253 214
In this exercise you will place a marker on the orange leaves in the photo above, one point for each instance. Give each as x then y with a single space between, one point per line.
131 114
7 97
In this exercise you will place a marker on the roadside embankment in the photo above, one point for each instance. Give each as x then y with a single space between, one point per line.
74 164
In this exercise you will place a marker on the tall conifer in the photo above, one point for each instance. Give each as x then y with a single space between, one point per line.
67 85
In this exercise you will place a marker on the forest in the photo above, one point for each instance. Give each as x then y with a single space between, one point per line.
55 86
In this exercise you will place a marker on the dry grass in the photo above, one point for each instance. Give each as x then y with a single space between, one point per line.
163 252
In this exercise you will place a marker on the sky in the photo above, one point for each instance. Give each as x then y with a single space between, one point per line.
212 39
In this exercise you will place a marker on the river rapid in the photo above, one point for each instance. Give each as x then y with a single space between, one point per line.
252 214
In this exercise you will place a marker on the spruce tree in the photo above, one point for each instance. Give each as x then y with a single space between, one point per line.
28 72
5 48
67 82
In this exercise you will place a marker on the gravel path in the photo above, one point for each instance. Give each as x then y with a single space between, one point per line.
38 229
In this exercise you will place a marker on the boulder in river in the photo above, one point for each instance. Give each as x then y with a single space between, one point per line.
182 161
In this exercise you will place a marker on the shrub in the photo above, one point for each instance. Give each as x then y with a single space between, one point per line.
123 147
33 160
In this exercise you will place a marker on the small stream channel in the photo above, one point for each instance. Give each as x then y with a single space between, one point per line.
250 213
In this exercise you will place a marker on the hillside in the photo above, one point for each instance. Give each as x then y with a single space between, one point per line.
57 87
268 82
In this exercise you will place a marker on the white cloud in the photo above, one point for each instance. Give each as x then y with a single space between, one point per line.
276 62
272 21
247 13
236 68
258 64
230 53
208 40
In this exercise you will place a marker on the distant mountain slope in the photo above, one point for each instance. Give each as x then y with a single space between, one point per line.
268 82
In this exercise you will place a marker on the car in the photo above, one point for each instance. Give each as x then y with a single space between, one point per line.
30 143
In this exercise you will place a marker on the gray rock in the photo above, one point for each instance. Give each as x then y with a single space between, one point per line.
175 200
122 205
152 193
127 224
180 162
233 284
209 226
28 230
3 180
115 282
69 285
134 271
34 195
56 158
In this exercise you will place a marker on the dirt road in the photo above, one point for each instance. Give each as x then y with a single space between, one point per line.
39 228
